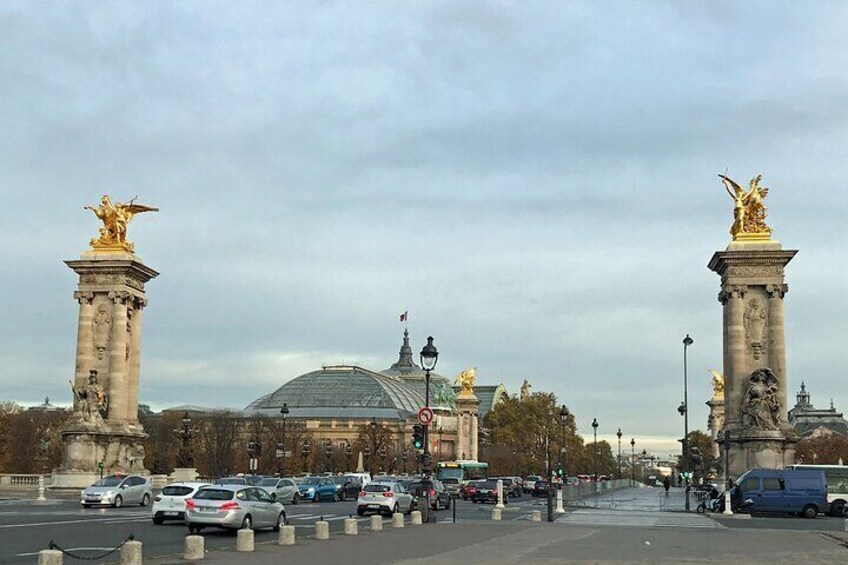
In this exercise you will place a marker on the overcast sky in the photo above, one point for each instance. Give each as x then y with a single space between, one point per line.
535 182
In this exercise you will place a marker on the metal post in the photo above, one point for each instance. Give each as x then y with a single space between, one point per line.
727 498
619 454
426 482
687 341
500 503
632 460
548 478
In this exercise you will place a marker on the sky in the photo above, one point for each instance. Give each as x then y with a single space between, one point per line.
535 182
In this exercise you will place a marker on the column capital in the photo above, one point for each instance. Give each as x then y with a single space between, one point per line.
732 291
120 297
83 297
777 291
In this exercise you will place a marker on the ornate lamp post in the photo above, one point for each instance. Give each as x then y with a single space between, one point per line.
618 434
595 450
632 460
328 451
381 453
366 451
304 453
349 455
429 357
281 447
439 451
185 458
687 341
563 420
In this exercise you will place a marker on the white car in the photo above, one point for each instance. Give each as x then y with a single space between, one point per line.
363 478
171 503
384 498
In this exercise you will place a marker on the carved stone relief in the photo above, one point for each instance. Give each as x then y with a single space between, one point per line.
755 327
761 407
102 326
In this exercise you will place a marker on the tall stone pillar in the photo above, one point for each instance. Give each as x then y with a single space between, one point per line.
104 428
467 407
752 291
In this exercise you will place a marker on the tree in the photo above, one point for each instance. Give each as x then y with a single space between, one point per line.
31 439
216 438
822 449
375 443
701 454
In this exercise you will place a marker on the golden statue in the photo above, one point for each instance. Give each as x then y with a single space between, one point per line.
115 217
718 384
466 381
749 210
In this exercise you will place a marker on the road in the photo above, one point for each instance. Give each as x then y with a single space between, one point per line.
26 528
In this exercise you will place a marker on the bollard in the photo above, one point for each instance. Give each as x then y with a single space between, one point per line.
536 516
496 513
244 540
49 557
322 530
500 503
131 553
415 518
559 507
286 536
376 523
41 497
351 527
728 510
397 520
194 549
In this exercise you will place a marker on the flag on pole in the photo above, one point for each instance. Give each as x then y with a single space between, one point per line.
404 316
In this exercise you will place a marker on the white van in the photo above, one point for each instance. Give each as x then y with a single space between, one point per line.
363 478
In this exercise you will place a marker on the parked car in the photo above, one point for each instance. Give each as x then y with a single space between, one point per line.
317 489
251 480
511 488
118 490
572 482
346 487
233 507
467 490
170 503
487 491
439 495
785 491
530 481
284 489
584 478
384 498
540 488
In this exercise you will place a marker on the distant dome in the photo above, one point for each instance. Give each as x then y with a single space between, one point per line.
342 391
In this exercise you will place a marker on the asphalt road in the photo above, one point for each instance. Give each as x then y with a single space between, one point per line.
26 528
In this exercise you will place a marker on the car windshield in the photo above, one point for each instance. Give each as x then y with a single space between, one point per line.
214 494
177 490
488 484
340 480
268 482
377 488
108 482
311 481
450 481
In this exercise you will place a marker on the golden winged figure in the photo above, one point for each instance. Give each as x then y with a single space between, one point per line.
115 217
718 383
749 210
466 381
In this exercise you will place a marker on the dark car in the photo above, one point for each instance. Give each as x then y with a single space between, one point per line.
511 488
439 496
530 481
487 491
347 487
540 488
467 490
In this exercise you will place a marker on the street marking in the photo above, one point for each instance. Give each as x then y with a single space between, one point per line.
61 522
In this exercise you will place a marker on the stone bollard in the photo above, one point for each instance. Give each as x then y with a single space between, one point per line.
845 526
536 516
351 527
244 540
131 553
415 518
497 514
286 536
49 557
322 530
376 523
397 520
194 548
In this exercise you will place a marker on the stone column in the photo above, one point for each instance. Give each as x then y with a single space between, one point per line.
777 343
134 361
85 339
118 365
734 351
474 442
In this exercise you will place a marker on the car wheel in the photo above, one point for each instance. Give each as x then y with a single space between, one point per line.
810 511
158 520
247 523
119 501
837 509
86 505
281 521
295 498
360 512
145 500
316 497
194 529
395 510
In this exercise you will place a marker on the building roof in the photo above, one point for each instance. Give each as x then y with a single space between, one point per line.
806 419
340 391
409 372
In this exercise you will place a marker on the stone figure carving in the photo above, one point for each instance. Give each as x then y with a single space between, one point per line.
92 399
761 408
718 384
525 390
749 211
755 324
443 396
102 330
466 381
115 217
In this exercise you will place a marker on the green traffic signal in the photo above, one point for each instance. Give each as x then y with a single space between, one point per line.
418 436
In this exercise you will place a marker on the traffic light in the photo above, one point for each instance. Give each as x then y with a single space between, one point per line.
559 470
418 436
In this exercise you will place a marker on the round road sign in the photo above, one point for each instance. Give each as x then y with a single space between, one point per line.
425 416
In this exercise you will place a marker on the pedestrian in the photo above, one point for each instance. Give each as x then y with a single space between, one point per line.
666 484
680 479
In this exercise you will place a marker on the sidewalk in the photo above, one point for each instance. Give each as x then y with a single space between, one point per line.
514 543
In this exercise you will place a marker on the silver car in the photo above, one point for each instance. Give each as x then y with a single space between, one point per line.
233 507
384 498
284 489
118 490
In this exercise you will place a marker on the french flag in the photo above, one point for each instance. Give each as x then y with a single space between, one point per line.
404 316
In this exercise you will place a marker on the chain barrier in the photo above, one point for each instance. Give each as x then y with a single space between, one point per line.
53 545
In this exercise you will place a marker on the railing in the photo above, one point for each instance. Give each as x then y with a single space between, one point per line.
13 481
576 495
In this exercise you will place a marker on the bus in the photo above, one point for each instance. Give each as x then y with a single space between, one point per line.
837 486
462 471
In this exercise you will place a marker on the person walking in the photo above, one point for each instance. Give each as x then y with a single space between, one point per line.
666 484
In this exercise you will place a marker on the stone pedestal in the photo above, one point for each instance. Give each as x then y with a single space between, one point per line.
184 475
467 426
755 390
715 422
111 299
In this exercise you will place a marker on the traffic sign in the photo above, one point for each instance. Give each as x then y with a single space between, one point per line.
425 416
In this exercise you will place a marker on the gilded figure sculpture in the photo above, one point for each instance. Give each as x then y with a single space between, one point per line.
749 210
466 381
525 390
115 217
718 384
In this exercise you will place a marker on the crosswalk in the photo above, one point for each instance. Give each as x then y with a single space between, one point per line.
602 517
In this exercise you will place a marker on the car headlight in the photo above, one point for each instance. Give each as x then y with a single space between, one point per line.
311 489
107 494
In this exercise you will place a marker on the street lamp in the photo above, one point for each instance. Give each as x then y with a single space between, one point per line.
619 453
687 341
328 451
563 420
349 455
304 452
632 460
595 450
429 357
439 451
186 434
281 447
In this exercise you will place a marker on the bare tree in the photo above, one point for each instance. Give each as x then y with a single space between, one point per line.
217 435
